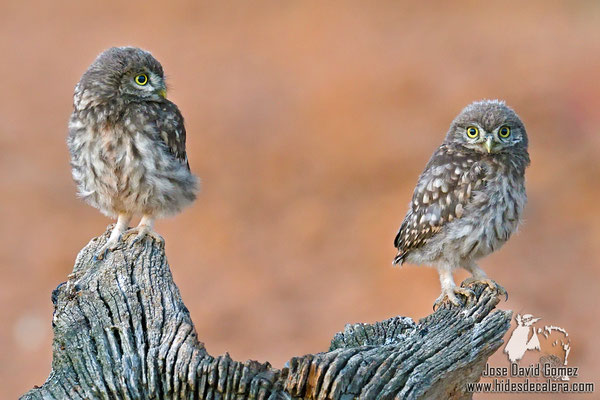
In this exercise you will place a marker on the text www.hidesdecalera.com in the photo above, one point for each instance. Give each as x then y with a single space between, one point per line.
546 379
527 386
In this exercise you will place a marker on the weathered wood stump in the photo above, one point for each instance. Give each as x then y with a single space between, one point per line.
121 331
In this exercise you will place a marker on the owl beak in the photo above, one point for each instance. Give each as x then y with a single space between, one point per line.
163 93
489 145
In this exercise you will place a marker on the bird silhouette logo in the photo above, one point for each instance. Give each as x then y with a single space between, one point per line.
552 342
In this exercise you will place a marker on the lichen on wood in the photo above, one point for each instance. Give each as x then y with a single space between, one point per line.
121 331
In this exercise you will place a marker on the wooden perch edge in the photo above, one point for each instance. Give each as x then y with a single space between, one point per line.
121 331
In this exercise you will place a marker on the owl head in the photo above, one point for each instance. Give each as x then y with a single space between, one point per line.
488 126
124 74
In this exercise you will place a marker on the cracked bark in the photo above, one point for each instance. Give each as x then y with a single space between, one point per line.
121 331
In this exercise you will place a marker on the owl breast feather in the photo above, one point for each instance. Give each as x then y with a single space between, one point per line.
126 167
465 206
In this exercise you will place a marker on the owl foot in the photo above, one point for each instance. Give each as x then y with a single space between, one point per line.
500 291
143 231
110 245
448 296
115 237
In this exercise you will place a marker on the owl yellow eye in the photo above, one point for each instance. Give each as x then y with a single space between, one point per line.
472 132
504 132
141 79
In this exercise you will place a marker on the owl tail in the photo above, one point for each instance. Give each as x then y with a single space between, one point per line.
399 259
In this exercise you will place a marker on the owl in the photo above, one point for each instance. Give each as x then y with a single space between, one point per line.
470 198
127 144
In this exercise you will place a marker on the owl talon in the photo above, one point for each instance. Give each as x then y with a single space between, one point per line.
110 245
115 237
449 297
489 283
143 231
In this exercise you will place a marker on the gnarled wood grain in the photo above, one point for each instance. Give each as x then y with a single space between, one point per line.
121 331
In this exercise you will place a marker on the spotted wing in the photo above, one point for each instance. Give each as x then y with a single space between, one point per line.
442 192
172 130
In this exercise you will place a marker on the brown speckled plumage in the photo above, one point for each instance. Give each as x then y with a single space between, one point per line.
127 142
470 197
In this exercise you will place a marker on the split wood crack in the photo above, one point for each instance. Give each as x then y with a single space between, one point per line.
121 331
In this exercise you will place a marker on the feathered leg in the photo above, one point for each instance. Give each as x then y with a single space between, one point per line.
449 289
115 236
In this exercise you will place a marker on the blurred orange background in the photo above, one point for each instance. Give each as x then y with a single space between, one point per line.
308 123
